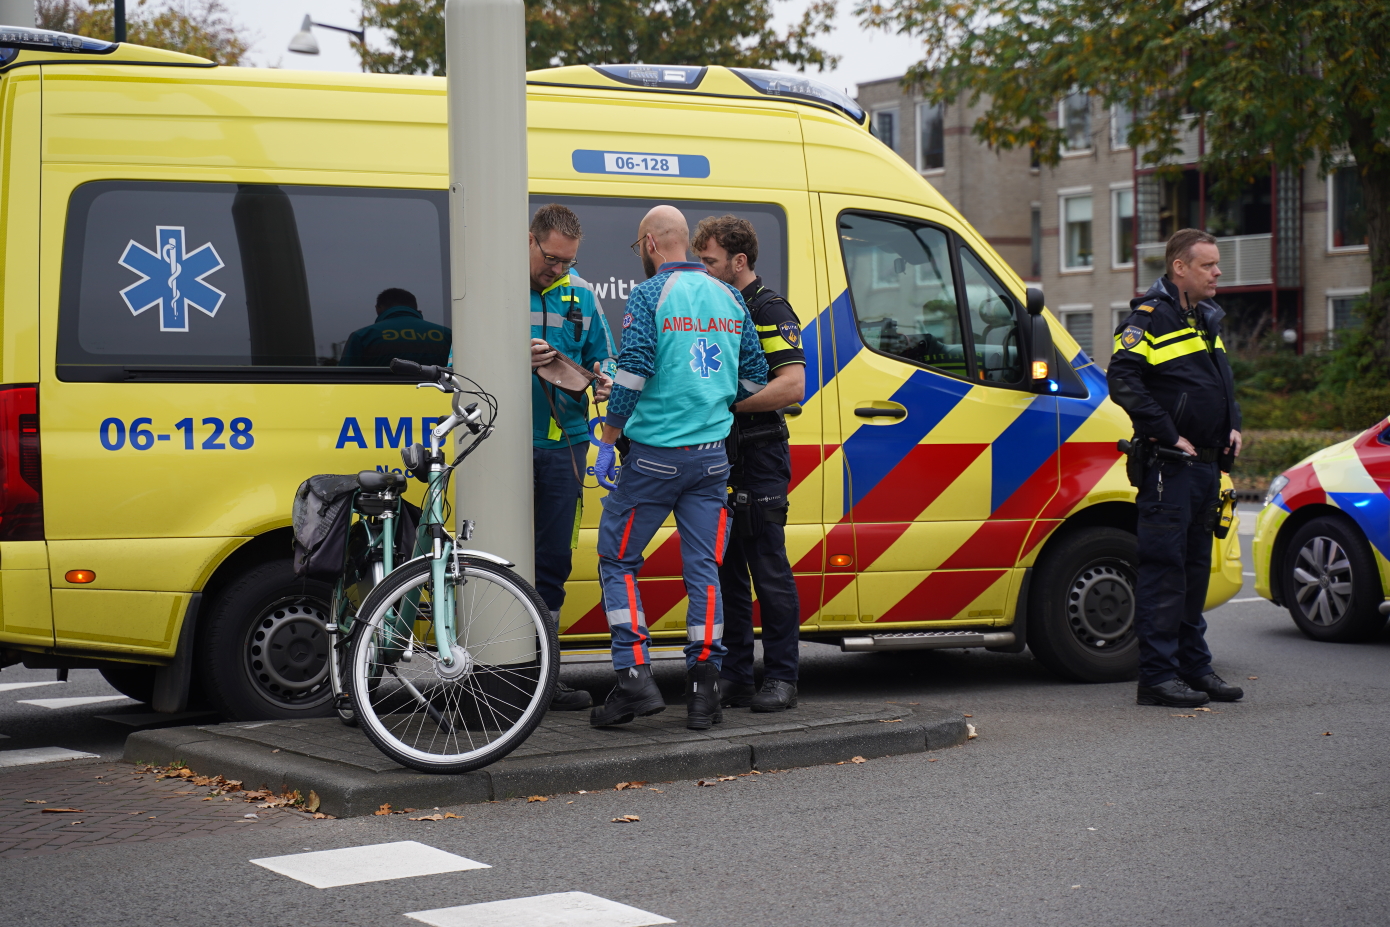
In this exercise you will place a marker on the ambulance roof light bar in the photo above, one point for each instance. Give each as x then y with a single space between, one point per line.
798 86
17 37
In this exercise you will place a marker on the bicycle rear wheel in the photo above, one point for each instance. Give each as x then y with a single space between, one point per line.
452 717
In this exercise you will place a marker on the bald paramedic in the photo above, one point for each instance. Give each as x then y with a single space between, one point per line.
689 352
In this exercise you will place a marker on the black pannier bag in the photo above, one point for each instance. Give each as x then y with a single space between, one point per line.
321 516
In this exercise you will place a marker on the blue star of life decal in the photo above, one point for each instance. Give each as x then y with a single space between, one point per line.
706 354
171 278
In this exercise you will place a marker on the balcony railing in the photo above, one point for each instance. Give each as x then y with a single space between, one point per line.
1246 260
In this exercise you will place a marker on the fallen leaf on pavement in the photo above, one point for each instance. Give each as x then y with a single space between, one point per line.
384 809
968 716
1324 733
430 817
630 785
35 801
536 798
970 731
320 816
1252 677
702 782
1184 716
626 819
60 811
655 790
857 759
727 778
313 803
894 721
751 772
932 760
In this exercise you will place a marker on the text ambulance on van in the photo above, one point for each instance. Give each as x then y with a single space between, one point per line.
186 249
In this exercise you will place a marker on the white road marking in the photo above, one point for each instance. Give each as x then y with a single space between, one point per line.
562 909
71 702
376 863
40 755
1255 598
1248 574
8 686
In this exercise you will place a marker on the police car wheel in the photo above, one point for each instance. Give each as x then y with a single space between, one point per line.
1330 582
263 649
1081 606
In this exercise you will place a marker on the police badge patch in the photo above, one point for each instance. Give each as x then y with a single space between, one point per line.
1131 336
791 332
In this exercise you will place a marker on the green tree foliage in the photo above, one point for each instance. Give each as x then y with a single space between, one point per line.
200 27
1282 81
734 33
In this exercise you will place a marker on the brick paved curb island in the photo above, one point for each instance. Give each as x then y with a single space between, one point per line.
564 754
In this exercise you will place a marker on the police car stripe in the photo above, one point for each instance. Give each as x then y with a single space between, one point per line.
629 380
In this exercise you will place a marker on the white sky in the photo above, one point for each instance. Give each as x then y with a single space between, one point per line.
864 56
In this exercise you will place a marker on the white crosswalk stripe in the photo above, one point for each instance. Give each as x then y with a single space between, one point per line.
562 909
376 863
10 686
35 755
74 701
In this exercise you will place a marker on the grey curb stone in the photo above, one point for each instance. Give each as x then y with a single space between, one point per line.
313 757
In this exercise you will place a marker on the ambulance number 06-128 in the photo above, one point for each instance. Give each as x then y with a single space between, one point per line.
141 436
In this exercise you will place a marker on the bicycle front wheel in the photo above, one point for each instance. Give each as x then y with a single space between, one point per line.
456 715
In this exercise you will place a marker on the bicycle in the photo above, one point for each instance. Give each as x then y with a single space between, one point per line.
451 657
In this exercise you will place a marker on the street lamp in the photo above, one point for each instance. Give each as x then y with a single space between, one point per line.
304 42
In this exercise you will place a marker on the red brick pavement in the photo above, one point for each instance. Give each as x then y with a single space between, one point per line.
118 805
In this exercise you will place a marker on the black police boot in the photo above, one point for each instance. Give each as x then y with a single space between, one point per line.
702 697
1174 693
775 695
567 699
1218 688
635 694
736 694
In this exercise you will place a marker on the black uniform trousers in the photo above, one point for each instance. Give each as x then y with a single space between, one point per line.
1174 569
765 473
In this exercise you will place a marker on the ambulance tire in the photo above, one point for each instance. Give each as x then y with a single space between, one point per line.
1081 606
263 650
131 680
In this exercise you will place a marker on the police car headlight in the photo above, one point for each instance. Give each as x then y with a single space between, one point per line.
1276 486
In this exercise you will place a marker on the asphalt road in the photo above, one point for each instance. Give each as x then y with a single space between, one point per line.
1073 807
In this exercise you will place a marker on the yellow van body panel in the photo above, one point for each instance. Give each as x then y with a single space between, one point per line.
117 621
21 102
26 615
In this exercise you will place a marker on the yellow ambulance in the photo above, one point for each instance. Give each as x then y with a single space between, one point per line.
186 249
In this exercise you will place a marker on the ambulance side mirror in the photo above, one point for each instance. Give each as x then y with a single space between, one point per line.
1039 375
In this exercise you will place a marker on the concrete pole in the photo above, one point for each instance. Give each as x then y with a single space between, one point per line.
485 48
18 13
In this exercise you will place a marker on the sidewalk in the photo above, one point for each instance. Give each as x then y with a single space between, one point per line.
351 777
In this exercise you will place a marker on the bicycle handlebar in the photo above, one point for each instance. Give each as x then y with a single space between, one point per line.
430 372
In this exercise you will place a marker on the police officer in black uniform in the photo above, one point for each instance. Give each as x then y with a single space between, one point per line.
761 472
1170 373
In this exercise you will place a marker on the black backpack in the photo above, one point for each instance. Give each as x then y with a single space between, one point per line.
321 516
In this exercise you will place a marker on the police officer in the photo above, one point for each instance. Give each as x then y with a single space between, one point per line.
1170 373
689 353
758 481
401 331
565 317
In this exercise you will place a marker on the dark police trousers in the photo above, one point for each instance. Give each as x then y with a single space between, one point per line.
556 500
764 559
1174 570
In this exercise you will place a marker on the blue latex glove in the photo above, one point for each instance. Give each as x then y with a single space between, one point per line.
605 467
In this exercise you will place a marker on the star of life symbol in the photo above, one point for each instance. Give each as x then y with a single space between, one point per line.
706 354
171 278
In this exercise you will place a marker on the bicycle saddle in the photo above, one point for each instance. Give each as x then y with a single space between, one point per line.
376 480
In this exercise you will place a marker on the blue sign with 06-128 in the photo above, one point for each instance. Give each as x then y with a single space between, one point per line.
641 163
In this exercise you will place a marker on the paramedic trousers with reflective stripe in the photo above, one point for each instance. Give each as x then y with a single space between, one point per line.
1174 570
653 483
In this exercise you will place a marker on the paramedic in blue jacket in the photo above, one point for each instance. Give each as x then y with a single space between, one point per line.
565 317
689 352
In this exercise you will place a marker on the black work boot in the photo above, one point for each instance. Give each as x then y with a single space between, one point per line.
736 694
775 695
1218 688
1174 693
702 697
635 694
567 699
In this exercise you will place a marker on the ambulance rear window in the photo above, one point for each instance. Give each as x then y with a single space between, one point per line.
217 280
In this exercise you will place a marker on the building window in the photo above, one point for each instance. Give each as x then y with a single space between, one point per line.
931 144
1076 121
1077 253
1346 218
1122 235
1121 121
1342 314
1036 233
886 127
1079 322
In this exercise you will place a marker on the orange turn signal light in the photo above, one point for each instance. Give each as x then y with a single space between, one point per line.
80 576
1039 370
841 560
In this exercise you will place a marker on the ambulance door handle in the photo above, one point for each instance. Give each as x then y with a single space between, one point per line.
880 413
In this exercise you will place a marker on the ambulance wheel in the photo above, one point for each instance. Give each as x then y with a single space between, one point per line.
263 649
1081 606
1331 584
131 680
